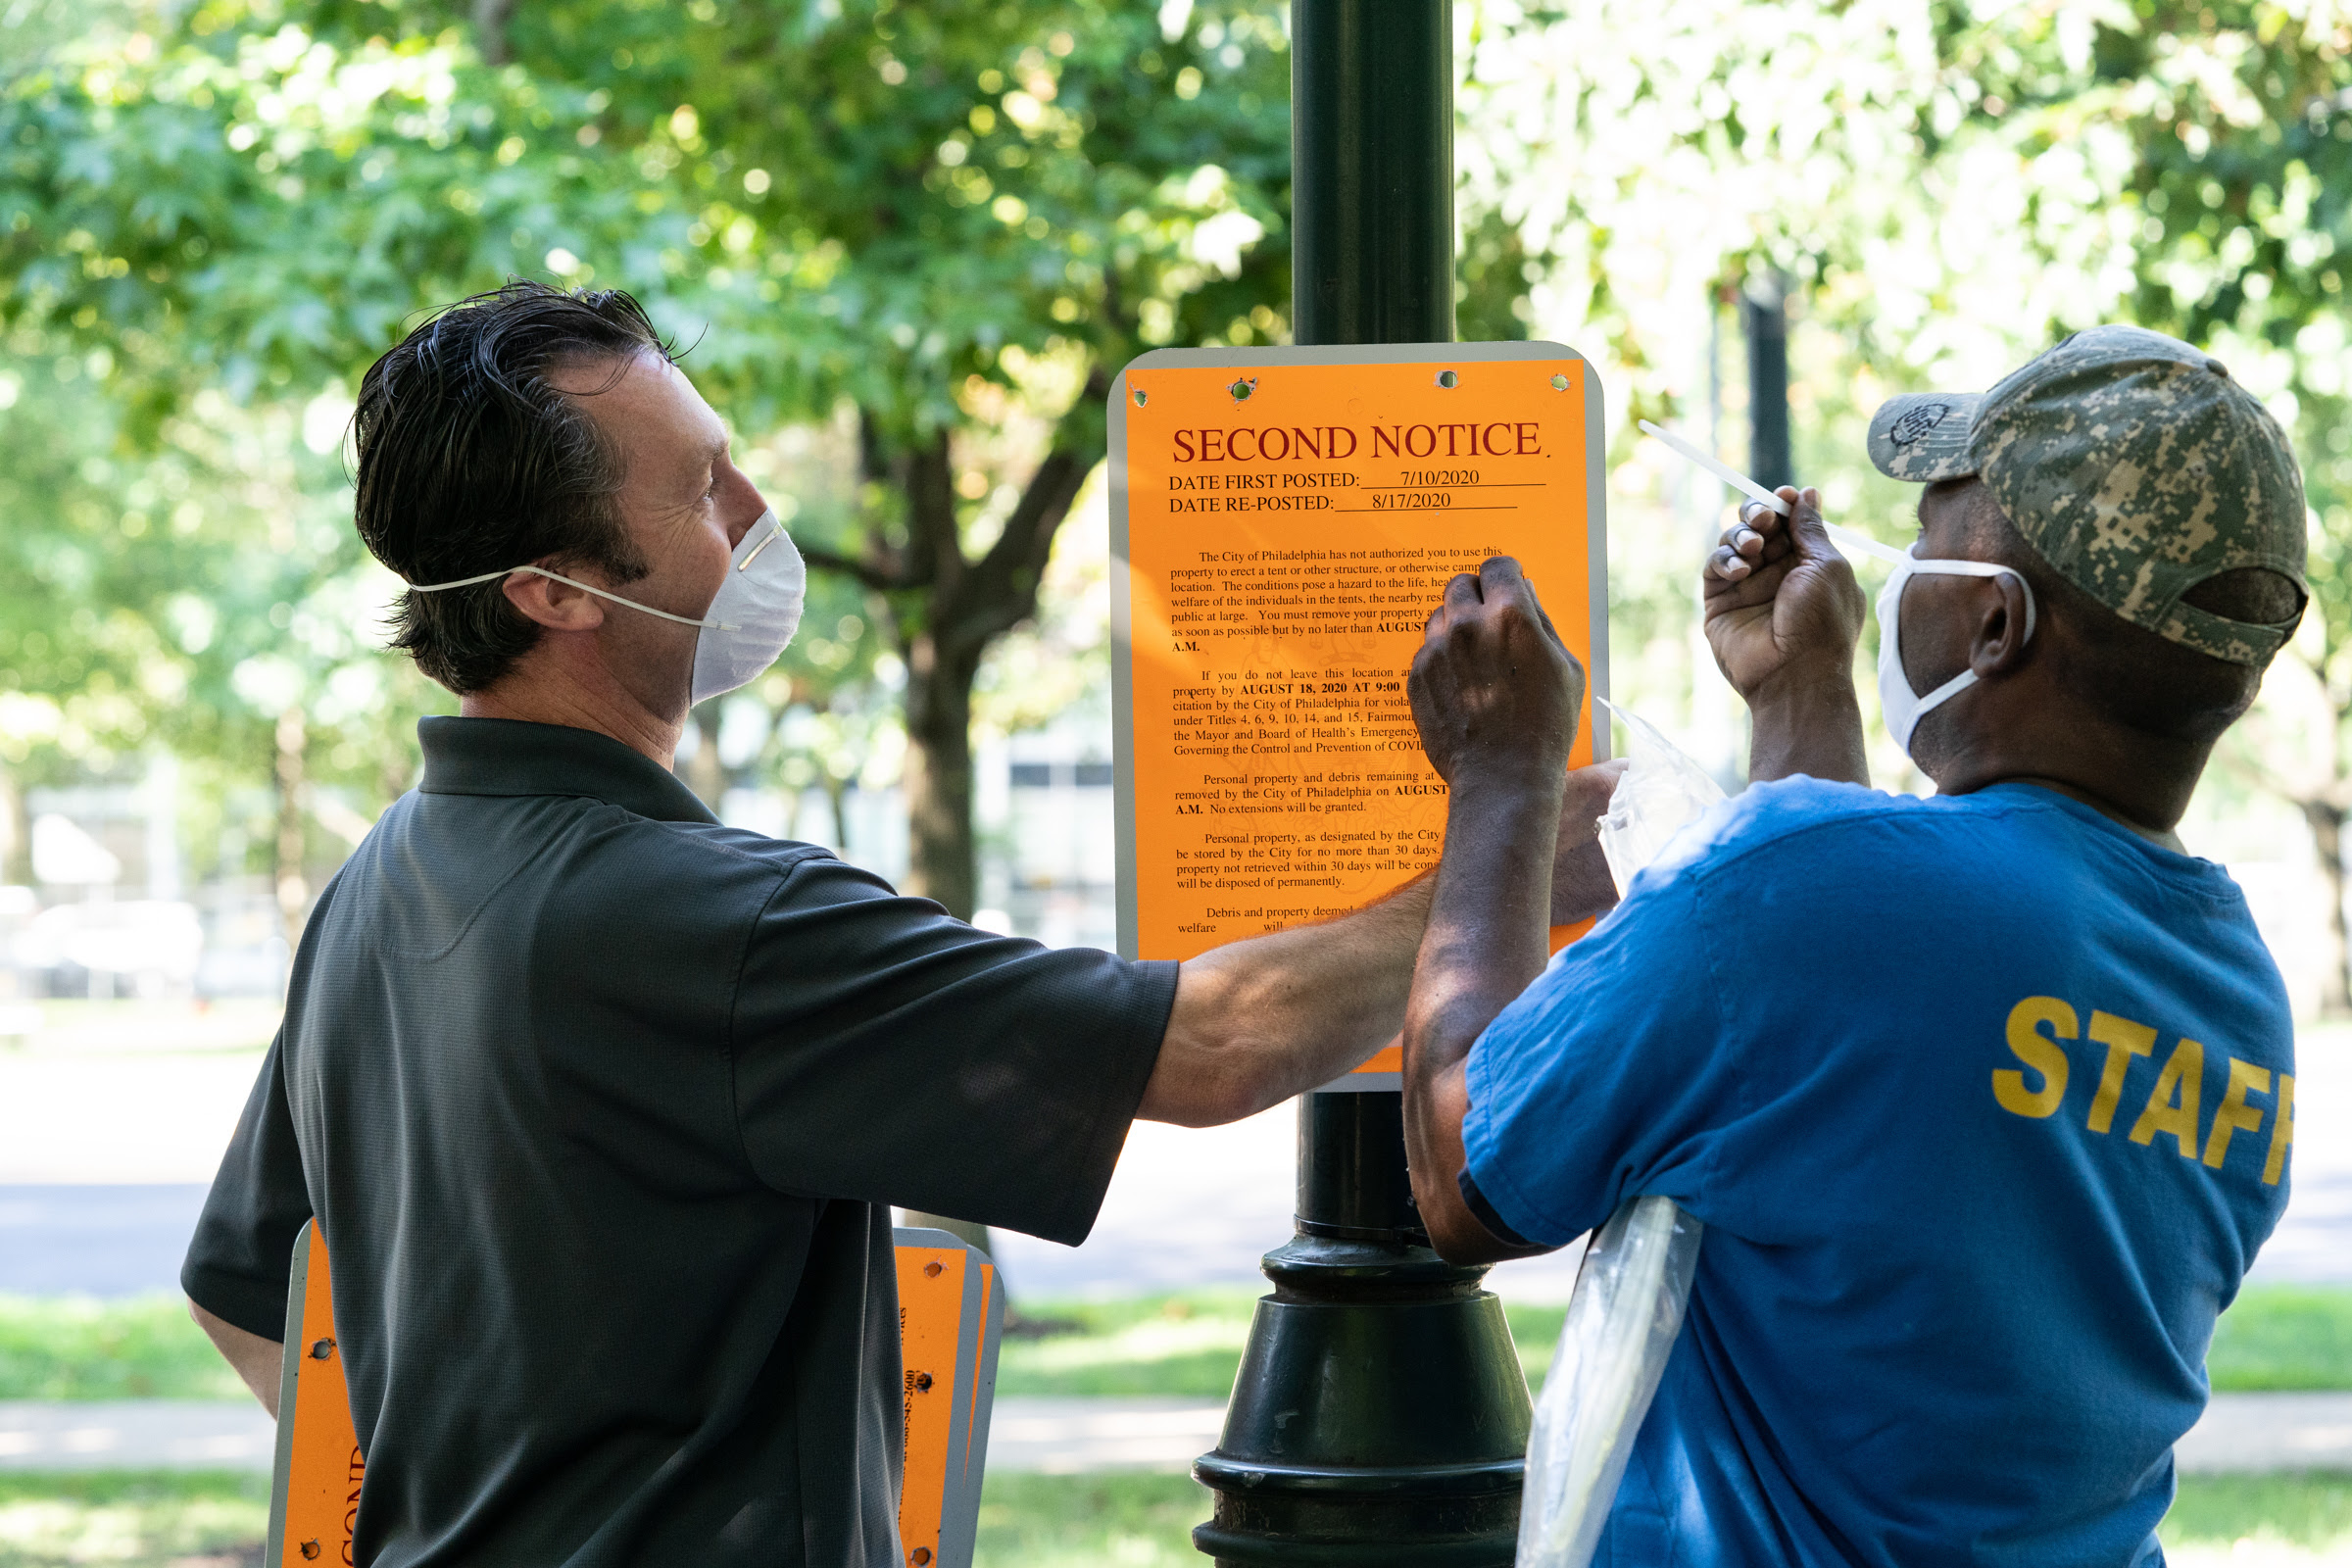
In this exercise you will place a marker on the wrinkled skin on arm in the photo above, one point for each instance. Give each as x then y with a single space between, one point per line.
1491 908
1259 1020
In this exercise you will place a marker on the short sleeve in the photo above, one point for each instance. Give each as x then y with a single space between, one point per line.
242 1254
1608 1078
883 1051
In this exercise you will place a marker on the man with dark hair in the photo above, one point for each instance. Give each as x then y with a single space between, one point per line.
1984 1100
599 1105
471 457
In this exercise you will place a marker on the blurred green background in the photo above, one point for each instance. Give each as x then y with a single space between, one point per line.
905 247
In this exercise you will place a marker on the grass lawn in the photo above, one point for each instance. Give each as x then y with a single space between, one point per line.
2256 1521
78 1349
1190 1343
2290 1521
1185 1342
1108 1521
203 1520
139 1519
2285 1337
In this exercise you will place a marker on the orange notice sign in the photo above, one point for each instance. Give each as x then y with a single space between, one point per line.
1287 519
315 1502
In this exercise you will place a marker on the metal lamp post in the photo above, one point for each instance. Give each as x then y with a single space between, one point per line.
1380 1416
1764 313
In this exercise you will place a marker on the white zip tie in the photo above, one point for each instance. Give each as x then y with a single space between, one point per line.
1730 475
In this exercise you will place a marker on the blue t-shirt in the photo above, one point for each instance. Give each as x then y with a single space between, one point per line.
1984 1102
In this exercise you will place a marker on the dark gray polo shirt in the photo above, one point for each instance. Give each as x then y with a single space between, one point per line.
599 1104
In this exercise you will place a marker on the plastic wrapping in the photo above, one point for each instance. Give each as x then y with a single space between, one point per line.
1657 796
1622 1320
1628 1303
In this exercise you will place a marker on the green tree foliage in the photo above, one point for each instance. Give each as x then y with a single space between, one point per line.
954 221
909 208
203 597
943 218
1950 187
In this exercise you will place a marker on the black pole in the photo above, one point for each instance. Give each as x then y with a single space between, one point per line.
1372 170
1380 1416
1764 310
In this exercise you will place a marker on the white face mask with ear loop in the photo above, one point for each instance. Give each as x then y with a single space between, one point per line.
1902 706
754 613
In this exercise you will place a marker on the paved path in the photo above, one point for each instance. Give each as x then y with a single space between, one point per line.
90 1239
1072 1437
135 1435
2241 1431
105 1152
2271 1432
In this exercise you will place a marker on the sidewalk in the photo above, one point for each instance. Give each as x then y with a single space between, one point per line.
2240 1432
105 1155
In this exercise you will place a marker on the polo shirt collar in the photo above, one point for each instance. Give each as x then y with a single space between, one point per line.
512 756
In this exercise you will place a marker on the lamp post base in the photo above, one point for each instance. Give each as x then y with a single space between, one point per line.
1380 1416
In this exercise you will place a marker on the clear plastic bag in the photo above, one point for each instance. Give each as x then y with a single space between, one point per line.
1628 1303
1622 1321
1663 791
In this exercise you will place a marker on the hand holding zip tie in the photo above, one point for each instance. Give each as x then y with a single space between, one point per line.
1846 537
1784 616
1781 600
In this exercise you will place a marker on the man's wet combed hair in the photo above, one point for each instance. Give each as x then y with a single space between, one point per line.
470 460
2147 682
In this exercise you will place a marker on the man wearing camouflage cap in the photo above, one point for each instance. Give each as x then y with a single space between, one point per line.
1986 1099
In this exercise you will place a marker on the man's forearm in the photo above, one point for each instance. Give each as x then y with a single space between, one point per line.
1259 1020
1486 942
257 1360
1811 726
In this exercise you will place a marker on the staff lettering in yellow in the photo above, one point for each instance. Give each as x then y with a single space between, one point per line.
2123 1040
2171 1105
2234 1115
2038 1052
2037 1088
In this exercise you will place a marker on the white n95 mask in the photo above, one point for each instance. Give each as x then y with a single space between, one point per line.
751 620
1903 706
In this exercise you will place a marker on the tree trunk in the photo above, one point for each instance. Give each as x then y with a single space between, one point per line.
942 858
293 888
2326 821
490 19
16 834
836 795
947 609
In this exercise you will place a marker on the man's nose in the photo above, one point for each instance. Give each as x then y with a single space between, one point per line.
745 506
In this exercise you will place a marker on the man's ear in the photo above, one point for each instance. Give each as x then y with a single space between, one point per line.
557 606
1999 645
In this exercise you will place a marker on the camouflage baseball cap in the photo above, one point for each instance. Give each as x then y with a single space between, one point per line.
2134 465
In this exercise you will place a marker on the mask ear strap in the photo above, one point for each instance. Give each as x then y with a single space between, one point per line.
574 582
588 588
1939 567
1943 694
